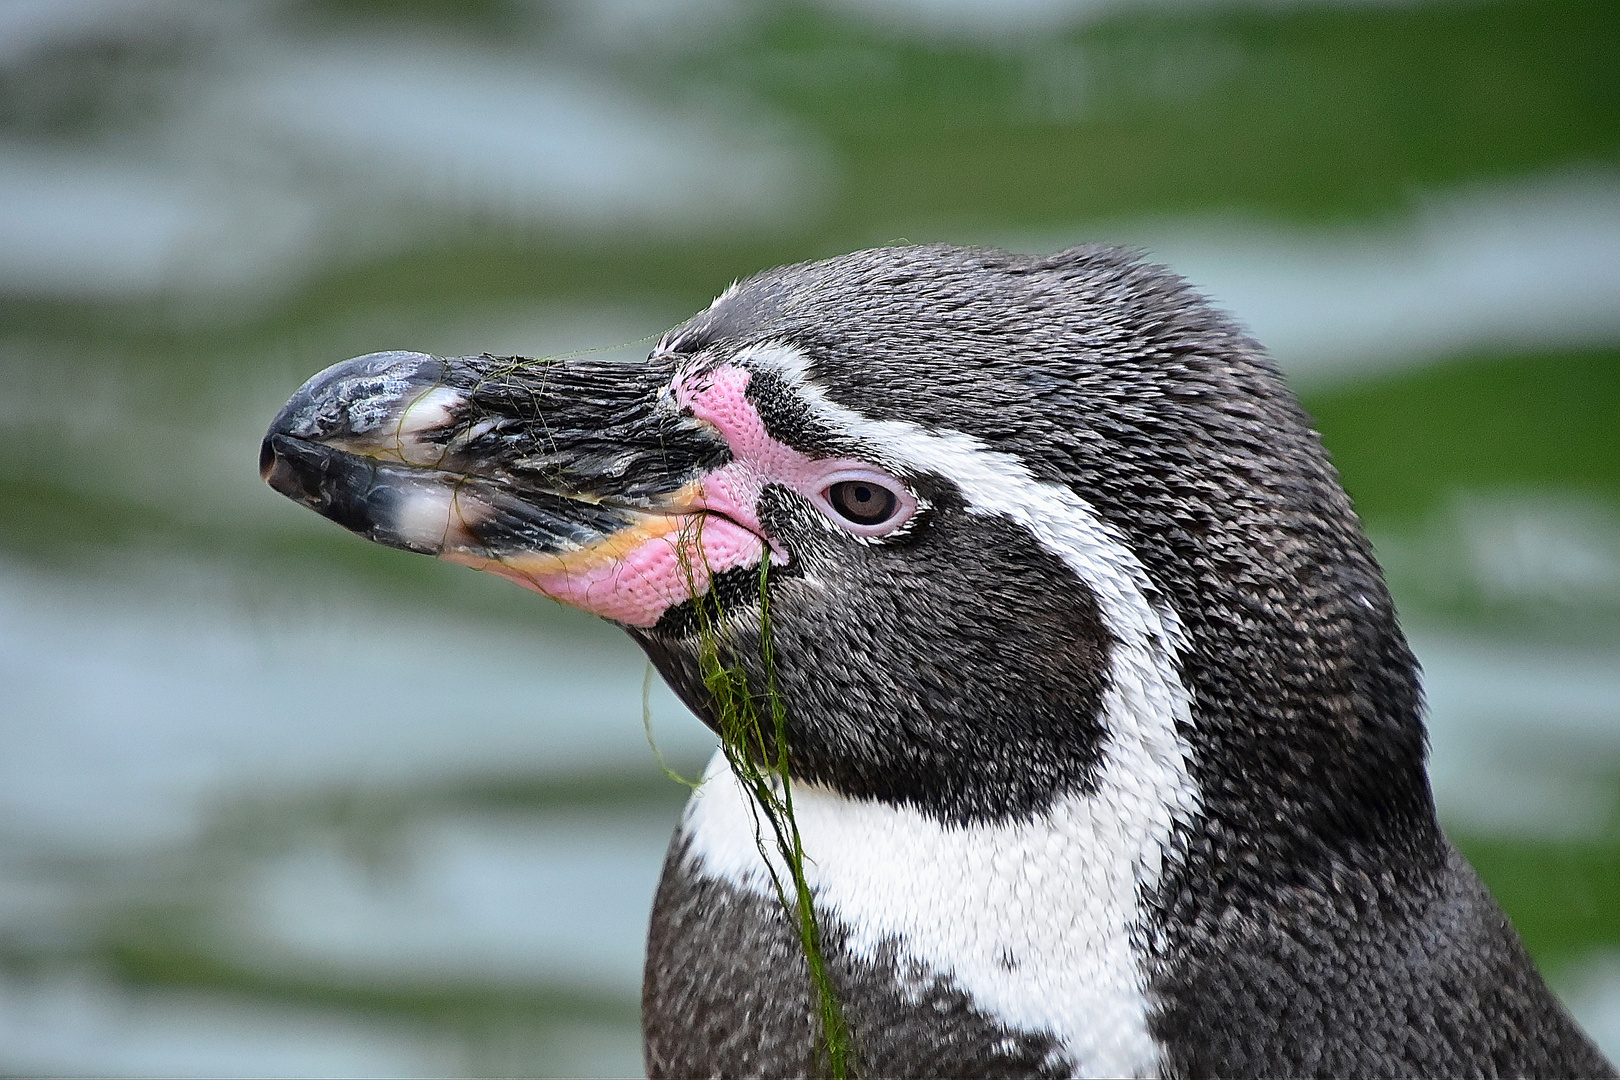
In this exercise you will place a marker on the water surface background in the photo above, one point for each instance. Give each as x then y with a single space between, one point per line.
277 801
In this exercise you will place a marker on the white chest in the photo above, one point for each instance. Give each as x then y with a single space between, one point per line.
1037 921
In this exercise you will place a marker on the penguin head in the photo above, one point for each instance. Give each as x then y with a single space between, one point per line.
971 497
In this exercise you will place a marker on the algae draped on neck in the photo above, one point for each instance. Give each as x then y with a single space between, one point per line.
753 737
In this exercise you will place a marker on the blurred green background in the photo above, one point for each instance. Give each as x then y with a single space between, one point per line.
277 801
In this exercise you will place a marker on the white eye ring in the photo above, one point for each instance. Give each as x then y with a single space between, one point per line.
865 502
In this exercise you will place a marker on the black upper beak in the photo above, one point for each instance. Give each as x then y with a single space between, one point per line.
481 458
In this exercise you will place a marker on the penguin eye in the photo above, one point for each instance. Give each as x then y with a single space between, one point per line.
866 502
862 502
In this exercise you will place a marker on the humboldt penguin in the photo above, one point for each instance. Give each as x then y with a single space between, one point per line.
1106 749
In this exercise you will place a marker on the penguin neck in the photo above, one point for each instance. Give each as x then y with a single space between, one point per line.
1038 917
1307 733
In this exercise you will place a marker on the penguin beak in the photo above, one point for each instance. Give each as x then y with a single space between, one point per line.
578 479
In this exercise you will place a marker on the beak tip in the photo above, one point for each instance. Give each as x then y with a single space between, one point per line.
327 405
289 472
267 459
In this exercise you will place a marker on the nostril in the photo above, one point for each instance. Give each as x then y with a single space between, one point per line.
267 459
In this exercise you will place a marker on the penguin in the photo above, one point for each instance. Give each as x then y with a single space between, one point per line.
1105 745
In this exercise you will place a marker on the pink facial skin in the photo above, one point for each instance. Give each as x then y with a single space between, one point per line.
719 397
635 575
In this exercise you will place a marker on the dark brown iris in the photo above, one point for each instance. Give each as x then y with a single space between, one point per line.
862 502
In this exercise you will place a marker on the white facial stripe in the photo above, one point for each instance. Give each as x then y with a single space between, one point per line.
993 482
1061 895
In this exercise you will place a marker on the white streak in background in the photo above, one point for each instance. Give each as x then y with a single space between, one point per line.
83 224
1524 736
1522 739
562 898
283 156
33 26
1558 551
977 19
636 25
523 137
72 1025
131 707
1526 266
1591 989
1566 550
